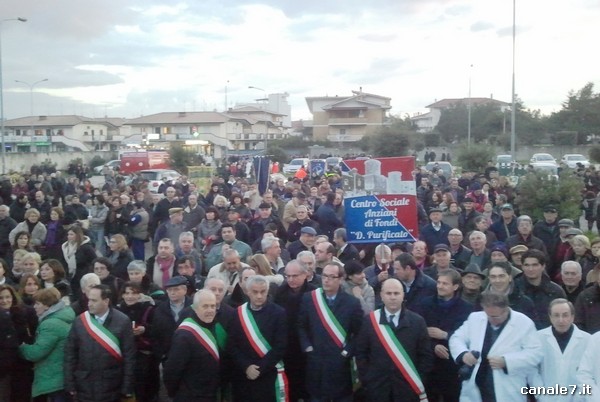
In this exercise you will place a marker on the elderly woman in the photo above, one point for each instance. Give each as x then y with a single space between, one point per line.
47 353
31 225
78 253
119 256
136 272
356 285
581 252
23 325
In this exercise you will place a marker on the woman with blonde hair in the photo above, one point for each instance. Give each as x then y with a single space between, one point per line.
31 225
78 253
581 252
262 267
119 256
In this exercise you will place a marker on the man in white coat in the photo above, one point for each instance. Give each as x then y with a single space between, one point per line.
507 349
563 344
589 370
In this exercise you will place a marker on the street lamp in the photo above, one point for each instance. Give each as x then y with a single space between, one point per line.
266 122
513 112
2 95
31 92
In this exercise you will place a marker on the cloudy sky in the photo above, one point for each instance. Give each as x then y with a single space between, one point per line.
128 58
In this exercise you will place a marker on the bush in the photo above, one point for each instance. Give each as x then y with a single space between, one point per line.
432 140
97 161
594 154
474 158
537 189
277 154
181 158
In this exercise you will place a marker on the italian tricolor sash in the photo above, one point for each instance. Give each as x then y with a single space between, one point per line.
202 335
398 355
329 321
261 347
102 335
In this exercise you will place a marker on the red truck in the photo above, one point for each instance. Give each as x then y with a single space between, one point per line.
132 162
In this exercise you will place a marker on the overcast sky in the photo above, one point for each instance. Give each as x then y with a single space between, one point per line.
129 58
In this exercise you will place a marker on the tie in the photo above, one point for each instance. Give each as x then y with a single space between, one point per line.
330 301
165 275
100 320
391 321
232 278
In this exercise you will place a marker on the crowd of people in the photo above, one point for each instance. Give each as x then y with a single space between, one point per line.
250 297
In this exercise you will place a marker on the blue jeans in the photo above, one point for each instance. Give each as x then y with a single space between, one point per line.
98 240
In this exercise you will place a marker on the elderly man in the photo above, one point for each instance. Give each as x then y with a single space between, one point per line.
228 234
41 204
289 211
436 231
383 269
328 323
229 269
507 226
239 295
289 296
480 254
168 314
271 248
97 370
442 256
525 237
306 242
193 213
7 224
191 371
563 345
161 211
472 280
172 228
308 260
460 254
186 248
502 347
265 217
257 344
393 351
302 220
572 279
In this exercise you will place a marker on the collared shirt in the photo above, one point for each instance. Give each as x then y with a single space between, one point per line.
395 320
102 318
176 309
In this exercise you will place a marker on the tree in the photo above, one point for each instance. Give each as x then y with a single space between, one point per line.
474 158
180 158
579 113
595 154
538 189
277 154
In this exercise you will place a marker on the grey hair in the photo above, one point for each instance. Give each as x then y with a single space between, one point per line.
257 279
524 218
302 267
201 293
230 252
569 263
305 253
186 234
87 279
137 265
267 242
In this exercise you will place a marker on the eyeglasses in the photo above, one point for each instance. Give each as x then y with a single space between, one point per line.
324 276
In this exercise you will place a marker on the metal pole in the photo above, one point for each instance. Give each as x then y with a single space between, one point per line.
31 86
513 112
266 122
469 111
2 96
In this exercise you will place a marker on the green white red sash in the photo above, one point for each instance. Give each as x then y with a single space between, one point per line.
329 321
398 354
202 335
102 335
261 346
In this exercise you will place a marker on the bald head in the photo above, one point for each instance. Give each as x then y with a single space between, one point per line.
392 295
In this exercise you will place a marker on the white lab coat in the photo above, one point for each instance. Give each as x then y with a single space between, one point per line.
517 343
589 368
558 367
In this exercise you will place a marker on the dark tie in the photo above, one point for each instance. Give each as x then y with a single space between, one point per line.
330 301
391 321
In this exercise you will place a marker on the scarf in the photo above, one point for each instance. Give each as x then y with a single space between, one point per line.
69 252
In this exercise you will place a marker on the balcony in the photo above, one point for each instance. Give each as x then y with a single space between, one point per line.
348 121
343 137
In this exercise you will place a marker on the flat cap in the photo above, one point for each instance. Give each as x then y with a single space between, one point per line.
176 281
173 211
518 249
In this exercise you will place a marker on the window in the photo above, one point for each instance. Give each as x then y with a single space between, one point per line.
17 132
156 130
85 133
48 132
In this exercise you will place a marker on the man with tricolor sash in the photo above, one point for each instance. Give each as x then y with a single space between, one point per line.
328 323
393 351
191 372
100 352
257 344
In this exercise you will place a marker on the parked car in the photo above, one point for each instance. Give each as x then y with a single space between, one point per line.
155 176
445 167
571 160
114 165
294 165
333 162
547 167
542 157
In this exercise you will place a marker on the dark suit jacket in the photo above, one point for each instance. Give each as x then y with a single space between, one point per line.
350 253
